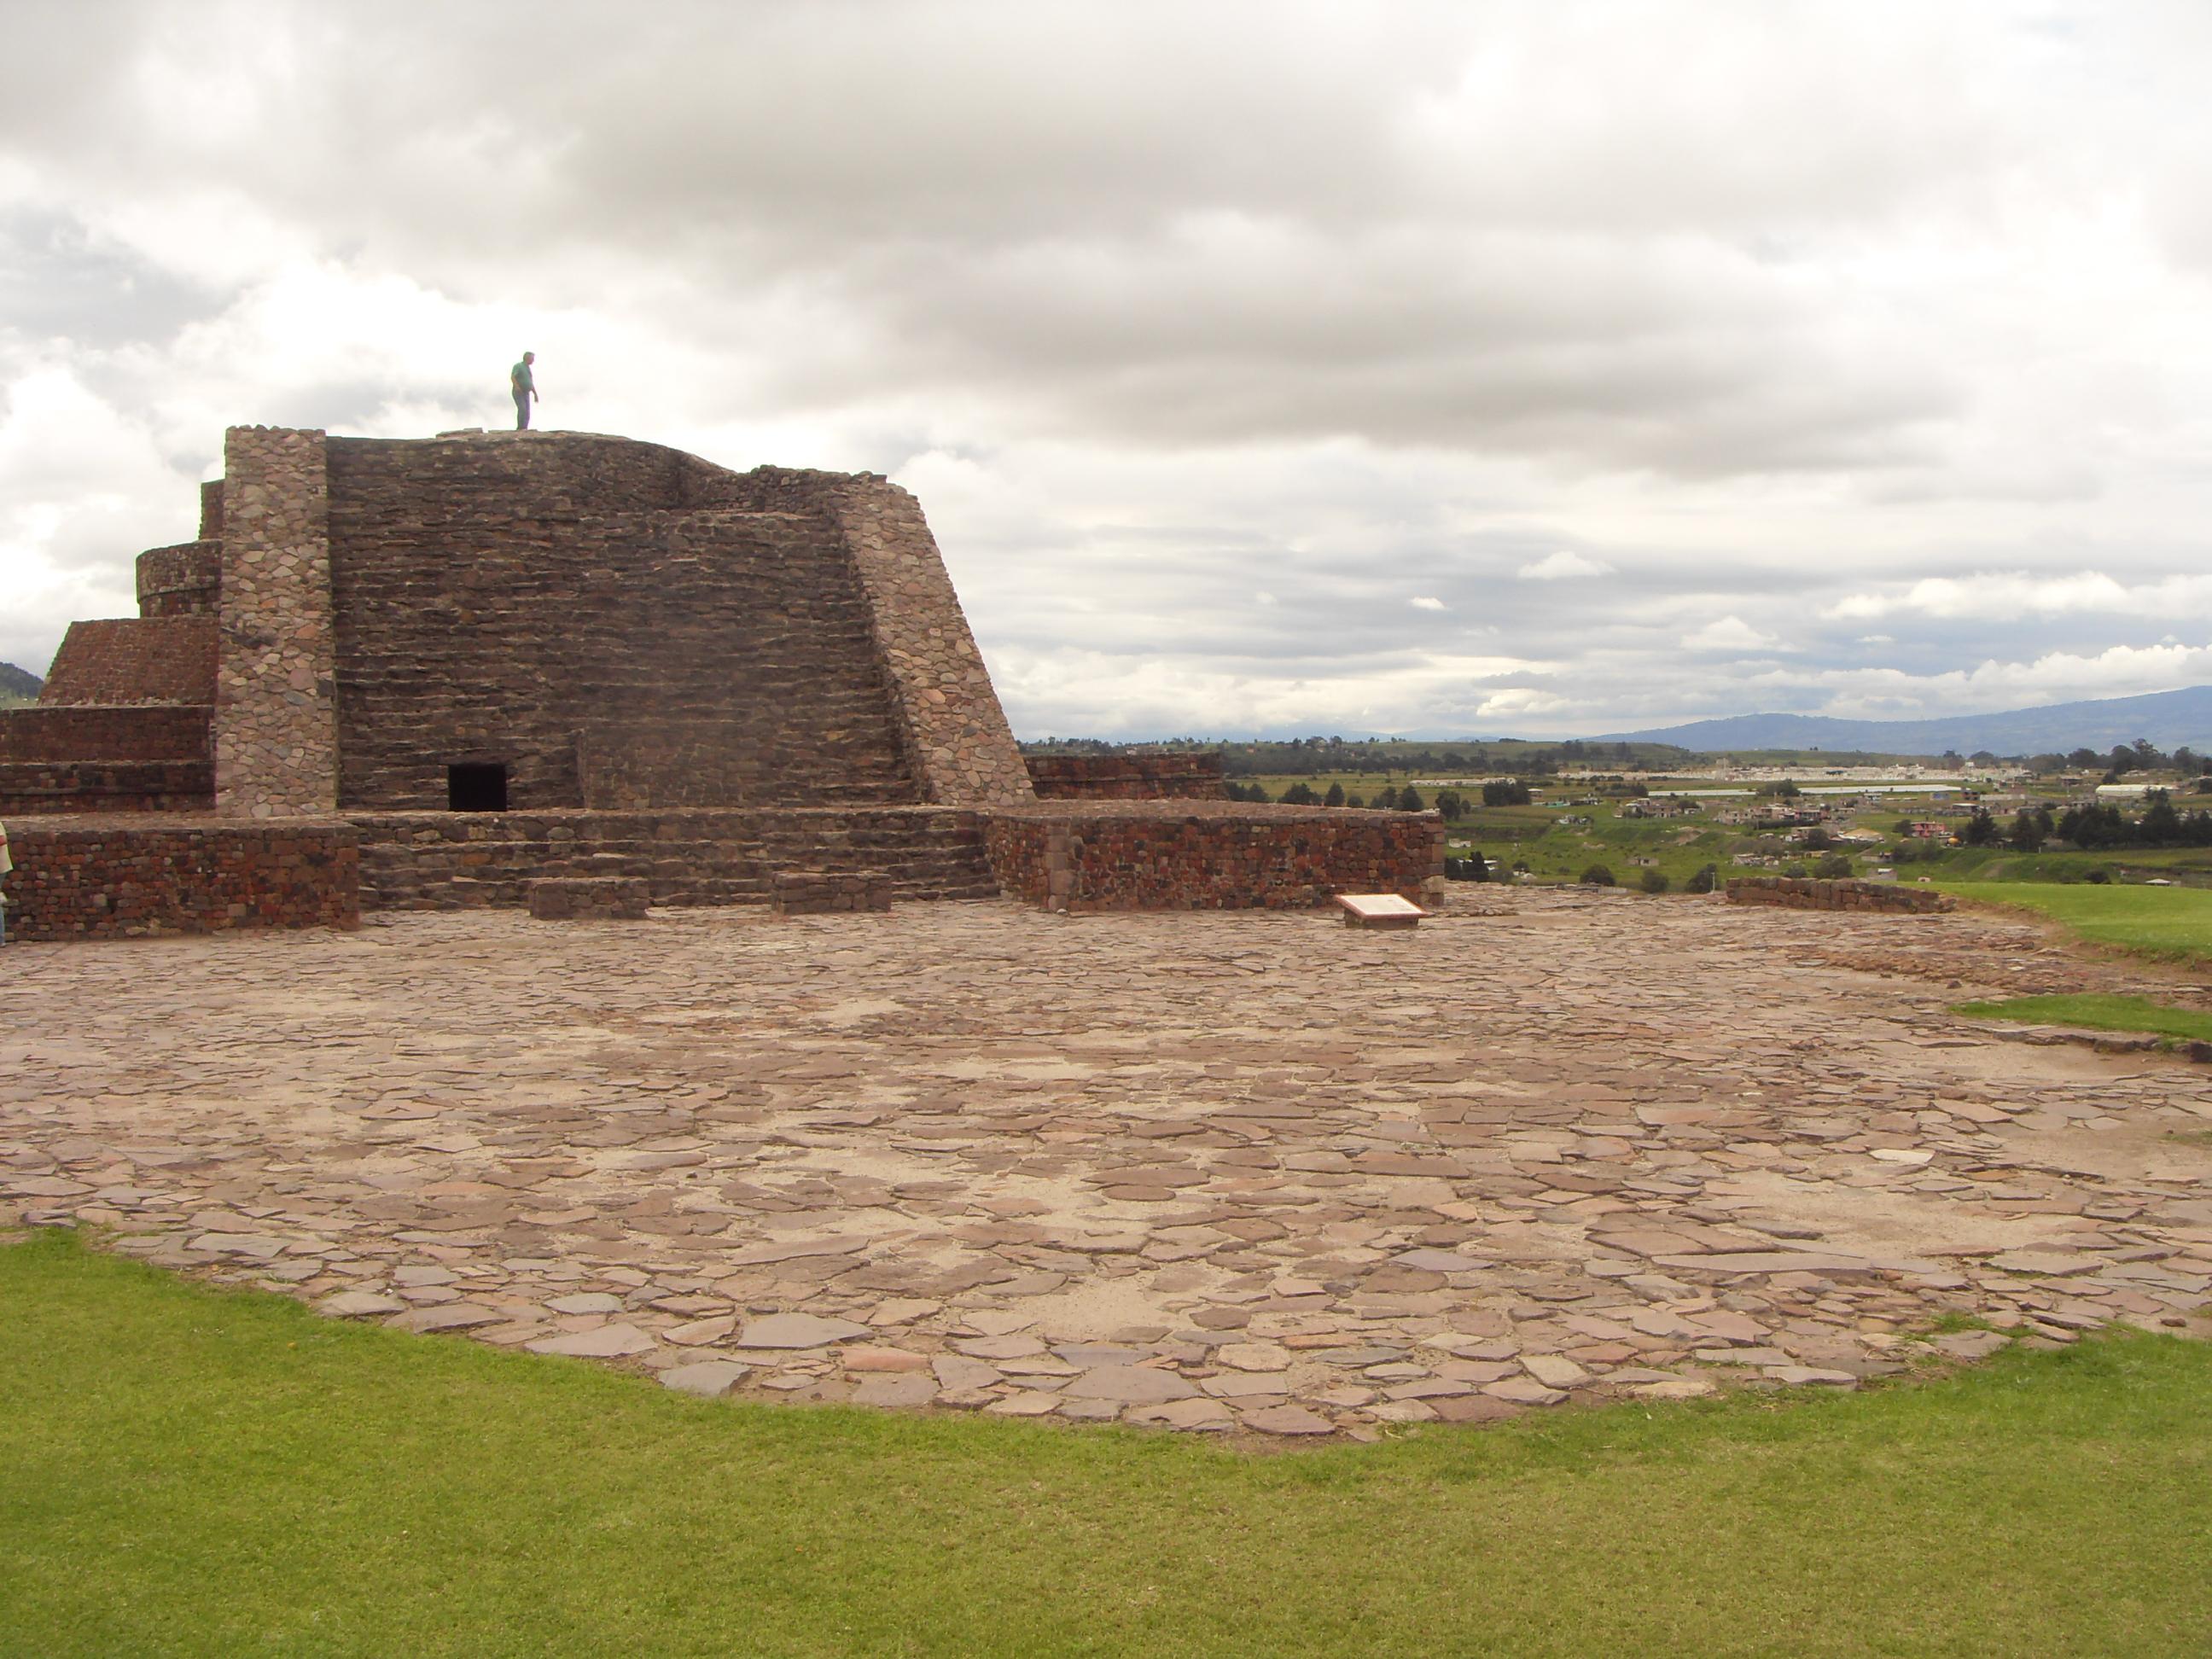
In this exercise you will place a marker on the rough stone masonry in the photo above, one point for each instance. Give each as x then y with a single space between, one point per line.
553 637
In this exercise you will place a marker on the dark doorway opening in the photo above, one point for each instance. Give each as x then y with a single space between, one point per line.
476 786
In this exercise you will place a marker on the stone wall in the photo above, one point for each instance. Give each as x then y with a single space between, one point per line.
276 725
589 898
80 879
185 580
794 753
958 743
824 892
143 732
106 786
552 603
1126 777
134 659
1211 855
1812 893
449 860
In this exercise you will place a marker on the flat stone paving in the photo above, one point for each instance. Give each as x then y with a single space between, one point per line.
1245 1171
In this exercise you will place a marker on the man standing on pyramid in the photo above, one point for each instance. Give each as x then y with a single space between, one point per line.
526 388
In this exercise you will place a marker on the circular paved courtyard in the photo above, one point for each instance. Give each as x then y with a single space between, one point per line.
1250 1171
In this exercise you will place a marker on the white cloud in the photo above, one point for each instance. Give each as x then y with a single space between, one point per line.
2004 595
80 483
1561 565
1731 634
1993 684
1518 702
1851 295
1063 690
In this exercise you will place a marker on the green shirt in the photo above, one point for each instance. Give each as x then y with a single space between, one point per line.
520 375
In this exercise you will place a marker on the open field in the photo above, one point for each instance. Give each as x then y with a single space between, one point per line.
1555 851
2098 1013
2171 922
2185 865
187 1471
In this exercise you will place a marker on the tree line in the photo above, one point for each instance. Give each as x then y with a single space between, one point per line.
1389 798
1499 791
2141 756
2093 828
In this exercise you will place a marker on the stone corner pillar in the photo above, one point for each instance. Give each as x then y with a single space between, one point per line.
955 732
276 701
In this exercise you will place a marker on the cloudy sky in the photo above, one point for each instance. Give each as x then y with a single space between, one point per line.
1465 369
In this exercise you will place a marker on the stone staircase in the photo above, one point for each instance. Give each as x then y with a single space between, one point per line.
452 861
630 660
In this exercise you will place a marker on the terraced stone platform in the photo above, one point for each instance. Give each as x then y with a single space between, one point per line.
687 856
1247 1171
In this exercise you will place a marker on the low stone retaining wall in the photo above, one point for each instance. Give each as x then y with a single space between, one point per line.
1812 893
1216 855
1126 777
105 878
84 878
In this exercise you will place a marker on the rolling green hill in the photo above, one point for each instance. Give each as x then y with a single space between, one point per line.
17 685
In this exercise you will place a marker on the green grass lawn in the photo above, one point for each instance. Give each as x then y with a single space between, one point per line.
2187 865
2098 1013
191 1471
2171 922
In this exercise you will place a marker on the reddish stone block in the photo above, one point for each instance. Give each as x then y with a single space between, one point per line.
593 898
80 879
815 892
1210 856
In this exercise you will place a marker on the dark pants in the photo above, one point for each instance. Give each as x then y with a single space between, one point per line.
522 412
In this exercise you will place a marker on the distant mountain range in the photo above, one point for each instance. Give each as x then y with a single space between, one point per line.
18 685
2168 718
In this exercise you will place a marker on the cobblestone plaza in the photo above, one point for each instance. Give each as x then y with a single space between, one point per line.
1249 1171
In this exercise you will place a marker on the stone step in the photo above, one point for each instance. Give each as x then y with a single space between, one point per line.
470 893
792 852
923 856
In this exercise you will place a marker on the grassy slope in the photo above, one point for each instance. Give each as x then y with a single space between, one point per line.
2167 921
2002 864
2098 1013
187 1471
